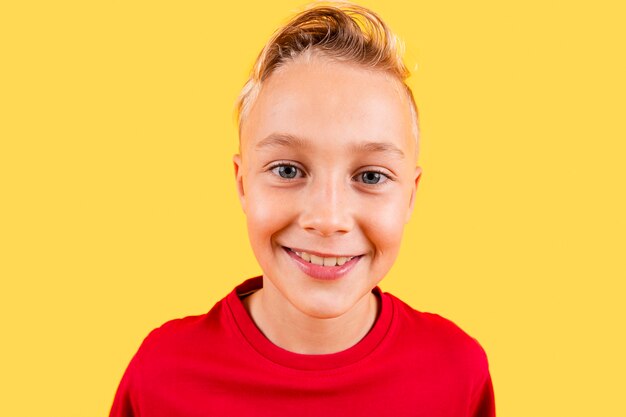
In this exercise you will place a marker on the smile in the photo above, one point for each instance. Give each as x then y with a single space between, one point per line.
322 267
323 261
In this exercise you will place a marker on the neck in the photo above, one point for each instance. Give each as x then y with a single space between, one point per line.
292 330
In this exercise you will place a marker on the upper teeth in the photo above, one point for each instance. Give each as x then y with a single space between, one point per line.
318 260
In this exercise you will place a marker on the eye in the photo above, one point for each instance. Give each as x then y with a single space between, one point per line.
285 171
372 177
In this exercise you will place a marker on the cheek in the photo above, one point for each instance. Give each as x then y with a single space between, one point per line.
385 223
267 213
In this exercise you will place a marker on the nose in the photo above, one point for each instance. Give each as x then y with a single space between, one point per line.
326 208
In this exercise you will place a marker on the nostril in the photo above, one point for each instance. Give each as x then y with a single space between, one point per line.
326 223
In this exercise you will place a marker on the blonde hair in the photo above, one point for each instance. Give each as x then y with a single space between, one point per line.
337 30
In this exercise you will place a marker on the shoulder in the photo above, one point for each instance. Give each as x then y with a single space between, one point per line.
177 333
432 334
176 328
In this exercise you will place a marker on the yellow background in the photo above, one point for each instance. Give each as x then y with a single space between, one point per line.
119 209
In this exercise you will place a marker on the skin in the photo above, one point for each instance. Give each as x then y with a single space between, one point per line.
319 116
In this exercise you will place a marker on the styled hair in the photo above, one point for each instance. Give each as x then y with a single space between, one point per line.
341 31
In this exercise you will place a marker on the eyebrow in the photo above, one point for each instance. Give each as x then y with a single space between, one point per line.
382 147
288 140
282 140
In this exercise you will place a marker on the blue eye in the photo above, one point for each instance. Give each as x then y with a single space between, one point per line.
285 171
372 177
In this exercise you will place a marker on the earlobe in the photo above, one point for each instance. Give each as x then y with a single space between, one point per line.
239 181
418 176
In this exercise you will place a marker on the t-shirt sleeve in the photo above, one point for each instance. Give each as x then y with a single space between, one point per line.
126 400
485 403
123 402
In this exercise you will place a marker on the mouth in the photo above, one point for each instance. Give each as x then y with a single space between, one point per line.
323 266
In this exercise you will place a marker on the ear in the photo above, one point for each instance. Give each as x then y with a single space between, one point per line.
418 175
239 180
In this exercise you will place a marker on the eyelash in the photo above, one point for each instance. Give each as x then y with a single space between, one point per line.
287 164
387 177
283 164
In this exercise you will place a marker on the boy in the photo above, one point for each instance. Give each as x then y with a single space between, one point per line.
326 176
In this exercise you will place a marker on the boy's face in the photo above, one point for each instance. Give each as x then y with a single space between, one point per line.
327 167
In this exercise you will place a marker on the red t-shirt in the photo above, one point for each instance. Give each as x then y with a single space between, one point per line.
220 364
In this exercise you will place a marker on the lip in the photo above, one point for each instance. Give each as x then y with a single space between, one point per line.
323 255
326 273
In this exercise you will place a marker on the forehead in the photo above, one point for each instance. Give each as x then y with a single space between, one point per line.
331 103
